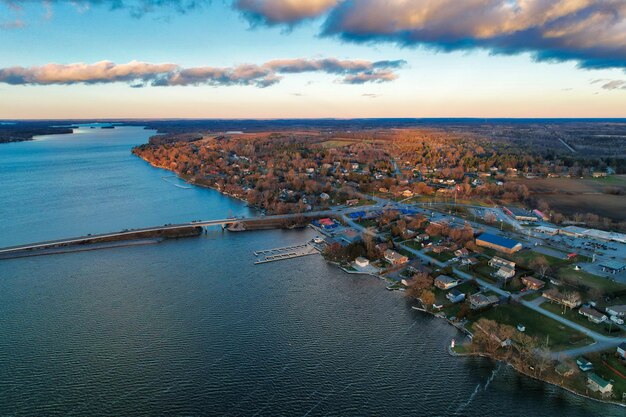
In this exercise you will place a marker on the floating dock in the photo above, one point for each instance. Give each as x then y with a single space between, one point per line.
287 252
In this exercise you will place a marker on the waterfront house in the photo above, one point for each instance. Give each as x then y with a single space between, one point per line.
478 301
593 315
445 282
455 296
533 283
564 370
598 384
584 364
395 258
621 350
361 262
499 243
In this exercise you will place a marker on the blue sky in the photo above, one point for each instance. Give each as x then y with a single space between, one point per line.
466 82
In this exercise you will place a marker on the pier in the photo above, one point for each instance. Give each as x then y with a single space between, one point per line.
288 252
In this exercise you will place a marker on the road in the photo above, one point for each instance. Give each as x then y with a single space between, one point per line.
204 223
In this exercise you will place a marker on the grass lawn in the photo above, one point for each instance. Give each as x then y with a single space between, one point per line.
582 278
441 257
560 337
532 296
413 244
526 257
484 272
573 316
368 222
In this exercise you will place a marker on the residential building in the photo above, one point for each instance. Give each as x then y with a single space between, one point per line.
497 262
469 261
499 243
533 283
572 300
445 282
584 364
395 258
461 252
362 262
592 314
455 296
598 384
505 273
478 301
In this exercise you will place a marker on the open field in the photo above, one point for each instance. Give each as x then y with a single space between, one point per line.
573 316
570 196
585 279
559 336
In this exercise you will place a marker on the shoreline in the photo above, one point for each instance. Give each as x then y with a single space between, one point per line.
460 329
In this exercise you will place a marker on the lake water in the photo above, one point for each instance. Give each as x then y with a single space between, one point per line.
192 327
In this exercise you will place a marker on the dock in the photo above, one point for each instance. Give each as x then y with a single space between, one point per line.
287 252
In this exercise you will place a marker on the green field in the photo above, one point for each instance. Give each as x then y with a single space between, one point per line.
582 278
558 336
441 257
573 316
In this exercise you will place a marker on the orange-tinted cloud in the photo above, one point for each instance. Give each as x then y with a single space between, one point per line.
141 73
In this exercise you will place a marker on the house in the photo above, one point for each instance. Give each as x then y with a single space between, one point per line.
478 301
533 283
469 261
445 282
407 193
361 262
505 273
584 364
593 315
439 249
421 237
497 262
395 258
352 202
324 196
461 252
598 384
564 370
327 223
350 235
618 310
382 247
621 350
572 300
499 243
455 296
599 174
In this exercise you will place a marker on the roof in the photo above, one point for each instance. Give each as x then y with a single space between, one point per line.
598 380
583 361
613 265
622 346
445 279
498 240
456 293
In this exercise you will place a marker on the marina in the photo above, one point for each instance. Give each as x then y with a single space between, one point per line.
287 252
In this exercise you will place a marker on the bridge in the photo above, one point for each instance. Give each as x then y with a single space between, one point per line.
7 251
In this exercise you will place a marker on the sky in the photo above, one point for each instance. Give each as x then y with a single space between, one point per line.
308 59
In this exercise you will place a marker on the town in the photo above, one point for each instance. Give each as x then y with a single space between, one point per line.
451 222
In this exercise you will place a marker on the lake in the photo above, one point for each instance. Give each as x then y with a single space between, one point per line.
192 328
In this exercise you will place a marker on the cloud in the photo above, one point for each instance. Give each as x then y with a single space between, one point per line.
15 24
370 95
590 32
138 74
273 12
136 8
611 84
